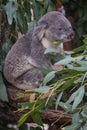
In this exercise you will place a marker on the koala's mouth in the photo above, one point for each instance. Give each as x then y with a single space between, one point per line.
65 40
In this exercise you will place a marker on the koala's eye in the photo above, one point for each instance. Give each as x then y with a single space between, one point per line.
60 29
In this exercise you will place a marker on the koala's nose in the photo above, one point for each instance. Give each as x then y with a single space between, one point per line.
71 35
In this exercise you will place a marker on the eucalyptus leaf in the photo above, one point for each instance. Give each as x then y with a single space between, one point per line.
85 126
3 92
65 61
83 63
77 97
84 111
67 107
50 50
37 118
82 68
42 89
85 39
21 20
49 77
76 118
79 58
11 9
81 48
58 99
69 52
23 118
68 83
74 126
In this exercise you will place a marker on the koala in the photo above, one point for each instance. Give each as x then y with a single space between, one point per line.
25 60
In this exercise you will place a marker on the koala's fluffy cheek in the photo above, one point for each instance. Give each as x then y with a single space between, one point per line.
63 38
46 43
49 36
55 36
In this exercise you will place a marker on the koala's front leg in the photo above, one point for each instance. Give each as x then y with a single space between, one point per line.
30 79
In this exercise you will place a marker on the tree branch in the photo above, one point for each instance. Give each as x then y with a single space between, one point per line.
8 114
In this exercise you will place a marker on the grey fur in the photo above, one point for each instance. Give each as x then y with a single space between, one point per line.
26 57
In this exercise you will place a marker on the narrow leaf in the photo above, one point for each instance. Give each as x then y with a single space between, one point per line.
65 61
76 118
3 92
50 50
83 68
42 89
79 97
58 99
84 111
49 77
85 127
37 118
10 9
74 126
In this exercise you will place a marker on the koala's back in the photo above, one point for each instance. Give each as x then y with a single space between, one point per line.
16 59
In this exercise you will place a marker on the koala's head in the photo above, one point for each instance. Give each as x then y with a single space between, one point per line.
54 26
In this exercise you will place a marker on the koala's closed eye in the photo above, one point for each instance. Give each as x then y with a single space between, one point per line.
60 29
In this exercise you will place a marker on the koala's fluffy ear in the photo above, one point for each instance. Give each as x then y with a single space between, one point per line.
62 10
39 31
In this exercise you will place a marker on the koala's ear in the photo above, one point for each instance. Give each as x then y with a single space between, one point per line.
62 10
40 30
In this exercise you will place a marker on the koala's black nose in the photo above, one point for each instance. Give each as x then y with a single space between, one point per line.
71 35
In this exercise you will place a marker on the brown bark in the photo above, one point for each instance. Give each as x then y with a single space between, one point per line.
8 113
49 116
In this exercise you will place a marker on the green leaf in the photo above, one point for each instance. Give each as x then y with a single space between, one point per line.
21 20
10 9
65 106
77 97
23 118
74 126
76 117
49 77
84 111
68 83
37 118
82 68
58 99
69 52
82 63
85 126
81 48
50 50
3 92
42 89
50 8
85 39
65 61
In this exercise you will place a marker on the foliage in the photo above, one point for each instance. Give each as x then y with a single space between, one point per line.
68 90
